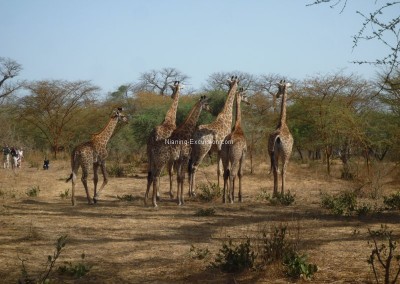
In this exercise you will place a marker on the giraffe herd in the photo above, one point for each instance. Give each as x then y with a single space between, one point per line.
183 148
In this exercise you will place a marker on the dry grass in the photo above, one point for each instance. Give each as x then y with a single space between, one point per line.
127 242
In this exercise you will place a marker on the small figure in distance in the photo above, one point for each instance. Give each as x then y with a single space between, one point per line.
46 164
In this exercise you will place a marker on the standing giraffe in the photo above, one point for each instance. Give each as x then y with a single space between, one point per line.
162 132
176 151
209 137
233 153
93 153
280 141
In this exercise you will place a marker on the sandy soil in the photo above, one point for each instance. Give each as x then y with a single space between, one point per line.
128 242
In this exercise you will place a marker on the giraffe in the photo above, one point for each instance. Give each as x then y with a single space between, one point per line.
162 132
280 142
209 137
175 150
233 152
93 153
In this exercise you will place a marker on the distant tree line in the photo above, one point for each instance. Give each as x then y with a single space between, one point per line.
331 116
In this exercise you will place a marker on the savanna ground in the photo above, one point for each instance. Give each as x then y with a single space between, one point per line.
128 242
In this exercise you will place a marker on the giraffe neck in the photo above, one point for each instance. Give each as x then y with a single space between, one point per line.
189 125
170 117
101 138
226 113
238 113
282 119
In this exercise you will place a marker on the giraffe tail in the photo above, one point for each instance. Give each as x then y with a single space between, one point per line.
273 157
70 177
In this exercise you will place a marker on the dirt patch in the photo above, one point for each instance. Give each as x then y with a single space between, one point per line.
128 242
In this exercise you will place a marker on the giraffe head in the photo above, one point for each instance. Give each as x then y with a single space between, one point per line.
243 97
176 87
205 103
232 81
119 115
282 86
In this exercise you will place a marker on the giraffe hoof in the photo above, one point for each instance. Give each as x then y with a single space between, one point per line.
94 200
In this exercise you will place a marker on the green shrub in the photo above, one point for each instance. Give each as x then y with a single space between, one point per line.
235 258
43 277
33 191
205 212
76 270
116 171
385 257
127 197
285 199
296 266
209 192
363 209
65 194
263 195
342 204
276 246
392 201
198 253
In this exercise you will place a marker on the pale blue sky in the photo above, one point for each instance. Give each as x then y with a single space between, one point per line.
112 42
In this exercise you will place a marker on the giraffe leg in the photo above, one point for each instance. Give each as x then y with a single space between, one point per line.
275 172
85 173
171 183
219 167
226 184
156 181
73 188
240 175
192 180
105 181
231 191
235 169
180 179
158 190
75 164
240 187
149 183
155 189
95 178
283 176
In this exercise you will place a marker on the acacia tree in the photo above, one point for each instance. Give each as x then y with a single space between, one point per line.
266 84
52 106
158 80
258 121
218 81
8 70
333 103
376 26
